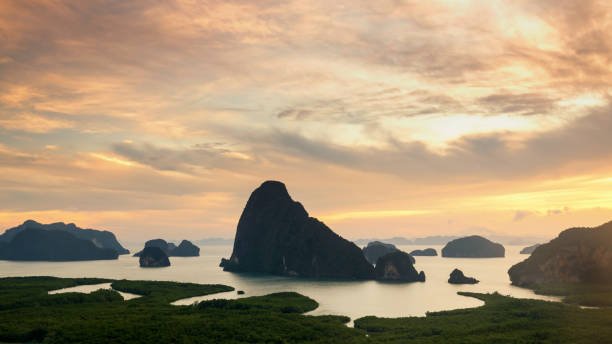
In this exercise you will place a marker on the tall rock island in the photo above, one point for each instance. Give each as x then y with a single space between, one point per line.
153 257
577 255
275 235
397 266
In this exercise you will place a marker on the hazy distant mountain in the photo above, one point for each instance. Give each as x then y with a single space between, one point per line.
503 238
35 244
430 240
102 239
440 240
529 249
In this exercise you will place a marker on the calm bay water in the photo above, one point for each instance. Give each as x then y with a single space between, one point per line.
351 298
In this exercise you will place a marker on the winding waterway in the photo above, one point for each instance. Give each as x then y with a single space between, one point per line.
351 298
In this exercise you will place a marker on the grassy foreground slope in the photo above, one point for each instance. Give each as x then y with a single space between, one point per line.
29 314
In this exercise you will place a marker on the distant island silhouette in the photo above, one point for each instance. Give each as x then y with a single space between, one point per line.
58 242
184 249
457 277
100 238
529 249
376 249
425 252
35 244
473 246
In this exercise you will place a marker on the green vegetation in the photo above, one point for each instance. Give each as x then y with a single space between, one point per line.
274 318
288 302
590 295
501 320
17 292
29 314
166 292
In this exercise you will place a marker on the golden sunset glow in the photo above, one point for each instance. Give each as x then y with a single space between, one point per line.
383 118
379 214
112 159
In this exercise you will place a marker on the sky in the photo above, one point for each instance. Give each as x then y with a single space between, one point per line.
383 118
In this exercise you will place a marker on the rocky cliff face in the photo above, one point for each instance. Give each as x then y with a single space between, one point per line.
161 243
377 249
473 247
457 277
153 257
34 244
577 255
397 266
102 239
275 235
185 249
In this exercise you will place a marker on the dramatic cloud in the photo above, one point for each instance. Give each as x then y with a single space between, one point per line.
394 115
491 156
525 104
33 123
210 156
10 157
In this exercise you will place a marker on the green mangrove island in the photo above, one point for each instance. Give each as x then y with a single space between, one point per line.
29 313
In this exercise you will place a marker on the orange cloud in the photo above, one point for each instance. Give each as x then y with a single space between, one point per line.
34 123
392 115
374 214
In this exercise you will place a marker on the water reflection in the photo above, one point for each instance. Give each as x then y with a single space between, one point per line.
351 298
90 288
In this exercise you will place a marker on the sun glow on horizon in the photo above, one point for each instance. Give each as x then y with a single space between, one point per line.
374 214
400 117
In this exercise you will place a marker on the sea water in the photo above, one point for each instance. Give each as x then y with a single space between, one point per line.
351 298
